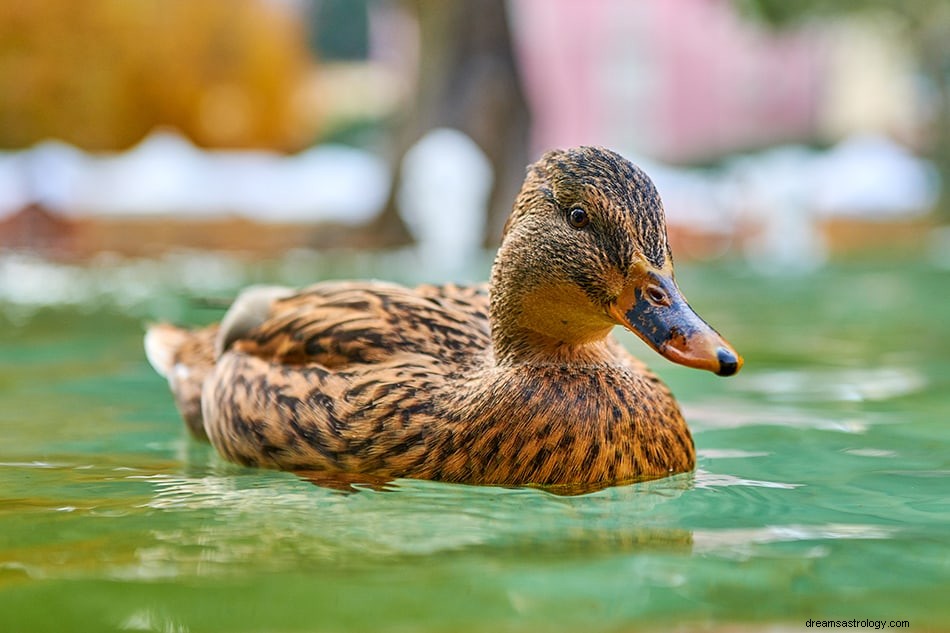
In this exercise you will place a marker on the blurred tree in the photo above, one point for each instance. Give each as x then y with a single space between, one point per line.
926 27
102 73
468 80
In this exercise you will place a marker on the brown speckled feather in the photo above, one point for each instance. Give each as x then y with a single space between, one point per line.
341 323
185 358
403 386
519 385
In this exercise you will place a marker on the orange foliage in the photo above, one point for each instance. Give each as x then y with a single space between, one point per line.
103 73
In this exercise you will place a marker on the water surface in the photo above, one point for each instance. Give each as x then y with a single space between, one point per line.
821 490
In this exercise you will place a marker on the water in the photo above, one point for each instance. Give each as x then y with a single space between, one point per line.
821 490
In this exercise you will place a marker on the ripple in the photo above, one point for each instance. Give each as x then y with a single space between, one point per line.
152 620
733 415
33 464
871 452
926 474
741 538
729 453
272 521
705 480
835 385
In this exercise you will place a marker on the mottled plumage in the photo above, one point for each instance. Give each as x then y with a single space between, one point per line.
519 383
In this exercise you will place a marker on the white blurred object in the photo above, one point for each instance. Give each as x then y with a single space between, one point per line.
53 172
13 190
776 189
166 175
47 174
695 198
787 190
443 197
330 182
784 191
871 176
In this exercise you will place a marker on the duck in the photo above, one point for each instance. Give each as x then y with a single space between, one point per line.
517 381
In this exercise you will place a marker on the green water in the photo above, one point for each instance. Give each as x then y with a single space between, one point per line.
821 492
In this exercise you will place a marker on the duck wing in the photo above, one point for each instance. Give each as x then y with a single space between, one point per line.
338 324
340 376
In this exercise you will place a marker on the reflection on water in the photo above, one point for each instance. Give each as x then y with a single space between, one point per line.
731 541
719 413
844 385
822 480
716 480
409 519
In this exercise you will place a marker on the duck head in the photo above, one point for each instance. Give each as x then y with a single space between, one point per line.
585 249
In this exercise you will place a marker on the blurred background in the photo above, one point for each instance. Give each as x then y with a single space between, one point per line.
156 156
780 134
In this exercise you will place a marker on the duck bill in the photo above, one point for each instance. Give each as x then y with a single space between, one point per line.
671 327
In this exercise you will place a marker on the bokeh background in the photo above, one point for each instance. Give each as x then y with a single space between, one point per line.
156 156
779 133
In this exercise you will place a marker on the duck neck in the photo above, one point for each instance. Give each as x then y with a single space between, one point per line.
534 321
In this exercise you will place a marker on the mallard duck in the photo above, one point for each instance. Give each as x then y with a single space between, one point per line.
516 382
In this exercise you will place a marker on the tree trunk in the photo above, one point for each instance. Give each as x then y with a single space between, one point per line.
468 80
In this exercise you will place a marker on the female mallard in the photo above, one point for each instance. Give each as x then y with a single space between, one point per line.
516 382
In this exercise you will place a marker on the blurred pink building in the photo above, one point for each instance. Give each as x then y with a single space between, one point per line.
677 80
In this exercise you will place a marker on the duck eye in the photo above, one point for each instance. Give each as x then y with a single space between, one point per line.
657 296
578 218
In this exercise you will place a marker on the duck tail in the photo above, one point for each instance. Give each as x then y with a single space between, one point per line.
184 358
162 342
